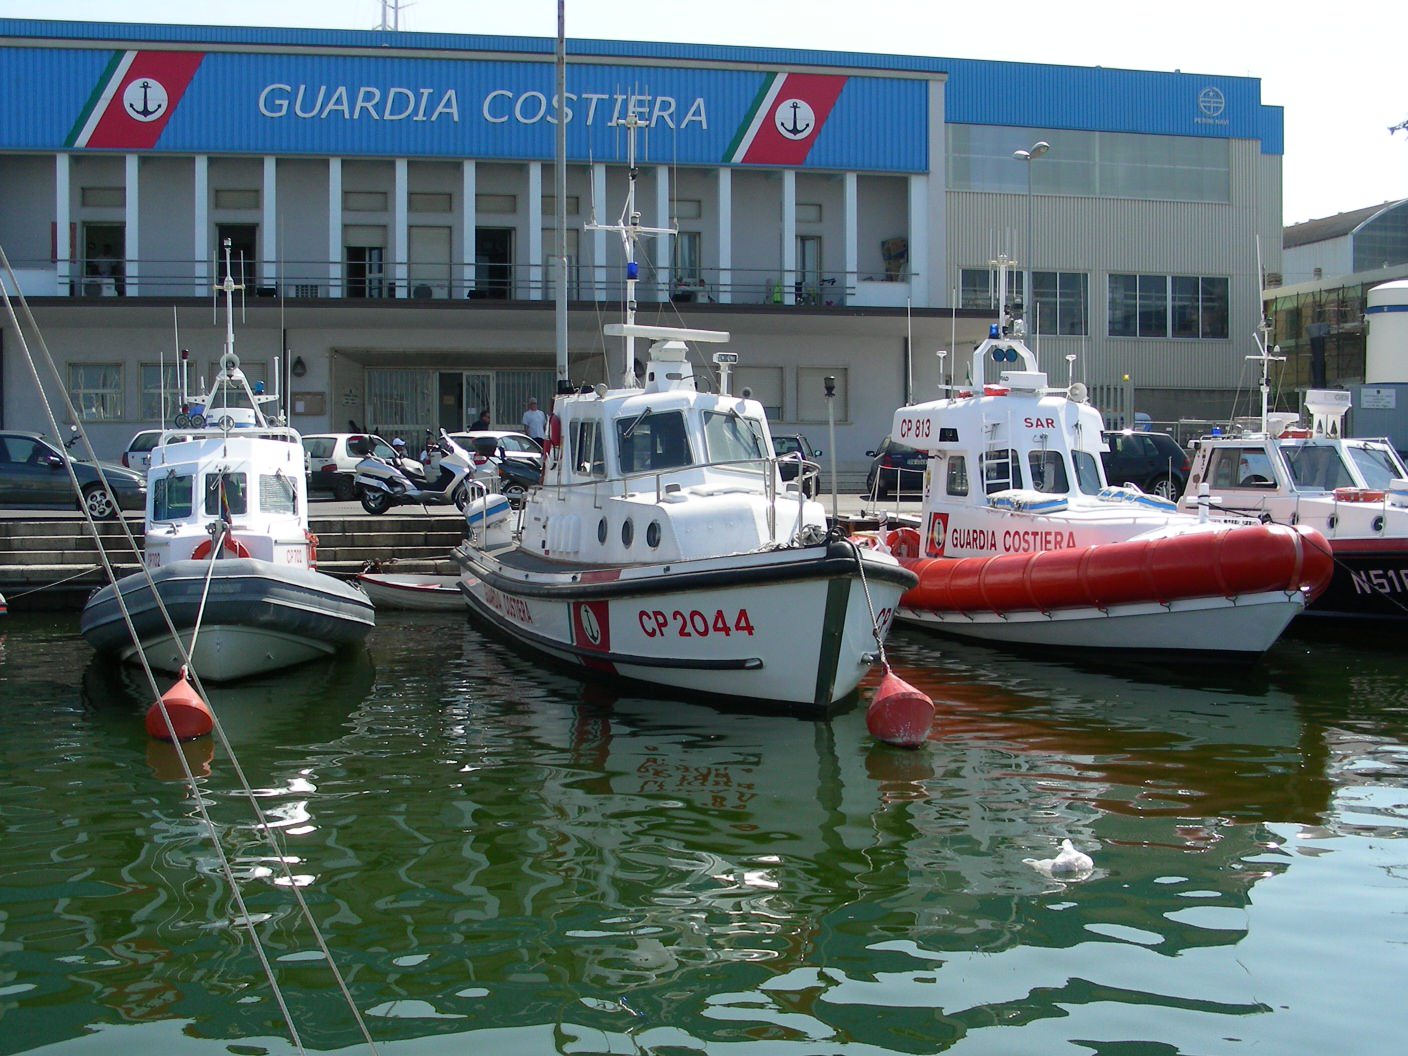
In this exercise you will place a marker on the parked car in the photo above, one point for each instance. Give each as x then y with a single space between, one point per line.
485 443
333 458
33 475
138 455
1153 461
792 450
895 469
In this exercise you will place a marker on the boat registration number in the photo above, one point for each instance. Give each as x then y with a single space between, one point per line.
656 623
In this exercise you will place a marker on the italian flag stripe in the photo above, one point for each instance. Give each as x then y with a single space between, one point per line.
102 95
762 106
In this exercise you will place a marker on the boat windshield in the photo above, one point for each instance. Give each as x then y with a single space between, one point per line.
733 438
1048 472
1378 463
1087 472
1318 467
172 497
653 441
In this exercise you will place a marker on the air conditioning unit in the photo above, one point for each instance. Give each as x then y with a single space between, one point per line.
306 289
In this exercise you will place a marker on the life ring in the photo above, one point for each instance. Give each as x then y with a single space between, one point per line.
233 545
1359 495
312 548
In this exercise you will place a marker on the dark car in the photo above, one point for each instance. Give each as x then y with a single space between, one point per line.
33 475
792 450
1153 461
896 469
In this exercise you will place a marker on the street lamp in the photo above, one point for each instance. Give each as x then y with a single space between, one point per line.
1029 155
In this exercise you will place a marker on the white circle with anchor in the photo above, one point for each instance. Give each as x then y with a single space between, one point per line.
144 99
590 626
794 118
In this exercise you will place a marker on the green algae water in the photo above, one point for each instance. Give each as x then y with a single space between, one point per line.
505 860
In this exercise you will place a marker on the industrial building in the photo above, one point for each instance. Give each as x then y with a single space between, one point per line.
389 202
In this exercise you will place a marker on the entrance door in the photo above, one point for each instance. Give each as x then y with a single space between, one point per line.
104 250
451 402
493 263
478 396
243 246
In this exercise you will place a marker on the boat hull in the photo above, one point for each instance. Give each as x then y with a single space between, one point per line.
789 628
1370 581
419 593
258 617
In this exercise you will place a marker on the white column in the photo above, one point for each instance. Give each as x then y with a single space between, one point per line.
724 294
599 237
536 288
63 245
132 235
468 221
789 236
664 251
335 227
850 228
919 277
401 214
200 244
269 265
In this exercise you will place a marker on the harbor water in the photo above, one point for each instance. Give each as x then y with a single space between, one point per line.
505 860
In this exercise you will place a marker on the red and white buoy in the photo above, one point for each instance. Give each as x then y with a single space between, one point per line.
899 714
189 715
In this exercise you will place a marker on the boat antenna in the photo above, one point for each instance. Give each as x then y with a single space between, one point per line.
560 180
1262 337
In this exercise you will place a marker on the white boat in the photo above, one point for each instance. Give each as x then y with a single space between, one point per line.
228 552
1354 492
389 590
663 546
1021 541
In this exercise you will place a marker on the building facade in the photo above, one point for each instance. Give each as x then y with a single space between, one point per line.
389 203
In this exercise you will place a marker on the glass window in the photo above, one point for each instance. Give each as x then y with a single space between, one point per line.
24 451
158 380
277 493
1378 464
1213 313
226 495
1153 306
1087 472
96 390
957 477
652 441
1383 240
734 438
1062 302
321 446
587 456
1188 306
1317 467
686 262
1241 467
172 497
977 287
1000 469
1185 306
1048 471
1124 301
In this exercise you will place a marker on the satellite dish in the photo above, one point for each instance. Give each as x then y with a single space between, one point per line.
1077 392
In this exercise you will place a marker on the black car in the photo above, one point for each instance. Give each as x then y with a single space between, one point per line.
896 469
33 475
1153 461
792 450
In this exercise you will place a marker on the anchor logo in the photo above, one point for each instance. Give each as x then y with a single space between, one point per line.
145 100
794 118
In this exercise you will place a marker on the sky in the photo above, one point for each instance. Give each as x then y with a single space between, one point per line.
1338 72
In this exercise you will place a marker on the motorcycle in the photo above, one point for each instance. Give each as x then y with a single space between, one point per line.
383 483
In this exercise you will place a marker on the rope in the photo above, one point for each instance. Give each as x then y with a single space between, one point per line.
869 603
56 583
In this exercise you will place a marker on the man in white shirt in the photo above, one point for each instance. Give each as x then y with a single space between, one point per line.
535 422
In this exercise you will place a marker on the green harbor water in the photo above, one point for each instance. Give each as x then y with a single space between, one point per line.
503 860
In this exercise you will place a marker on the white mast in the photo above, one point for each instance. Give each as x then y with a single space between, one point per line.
561 185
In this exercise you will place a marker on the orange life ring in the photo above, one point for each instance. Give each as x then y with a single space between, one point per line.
312 548
1359 495
233 545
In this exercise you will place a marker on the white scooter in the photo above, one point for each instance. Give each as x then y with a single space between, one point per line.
384 483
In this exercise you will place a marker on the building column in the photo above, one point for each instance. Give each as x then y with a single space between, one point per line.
724 292
401 221
918 249
850 227
335 285
468 222
665 256
789 236
537 289
200 244
63 213
132 230
598 236
269 265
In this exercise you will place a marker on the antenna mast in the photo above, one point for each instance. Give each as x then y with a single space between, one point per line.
561 184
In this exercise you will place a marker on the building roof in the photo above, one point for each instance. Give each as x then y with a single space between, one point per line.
1329 227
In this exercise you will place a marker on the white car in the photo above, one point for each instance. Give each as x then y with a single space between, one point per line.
333 458
485 443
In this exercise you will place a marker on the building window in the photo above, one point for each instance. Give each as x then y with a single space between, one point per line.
686 208
159 391
96 390
808 212
1186 306
1062 302
497 204
763 384
977 287
364 201
103 197
686 258
232 198
572 202
428 202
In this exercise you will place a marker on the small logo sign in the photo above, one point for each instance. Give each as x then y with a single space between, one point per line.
590 627
795 118
938 535
145 99
1212 102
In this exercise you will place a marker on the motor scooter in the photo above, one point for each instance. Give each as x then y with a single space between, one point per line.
383 483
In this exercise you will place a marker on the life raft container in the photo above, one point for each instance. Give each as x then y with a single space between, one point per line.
1228 563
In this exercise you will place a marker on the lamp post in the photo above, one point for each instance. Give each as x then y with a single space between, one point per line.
1029 155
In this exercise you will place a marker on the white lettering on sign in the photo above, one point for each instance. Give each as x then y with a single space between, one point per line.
317 102
501 106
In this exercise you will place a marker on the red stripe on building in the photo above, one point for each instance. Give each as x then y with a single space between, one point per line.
786 134
143 103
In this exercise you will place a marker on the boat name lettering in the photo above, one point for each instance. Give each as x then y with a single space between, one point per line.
655 623
1025 542
1379 580
1039 423
972 539
515 609
915 427
321 101
501 105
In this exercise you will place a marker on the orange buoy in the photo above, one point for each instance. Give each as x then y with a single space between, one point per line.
165 758
190 716
899 714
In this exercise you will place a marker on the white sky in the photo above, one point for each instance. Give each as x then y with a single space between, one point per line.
1337 70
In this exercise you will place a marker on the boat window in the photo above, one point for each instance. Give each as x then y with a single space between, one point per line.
587 456
1001 470
225 494
957 477
1317 467
1241 467
172 497
1087 472
1378 464
652 442
277 494
1048 470
734 438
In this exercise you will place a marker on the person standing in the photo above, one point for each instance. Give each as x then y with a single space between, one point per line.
535 422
